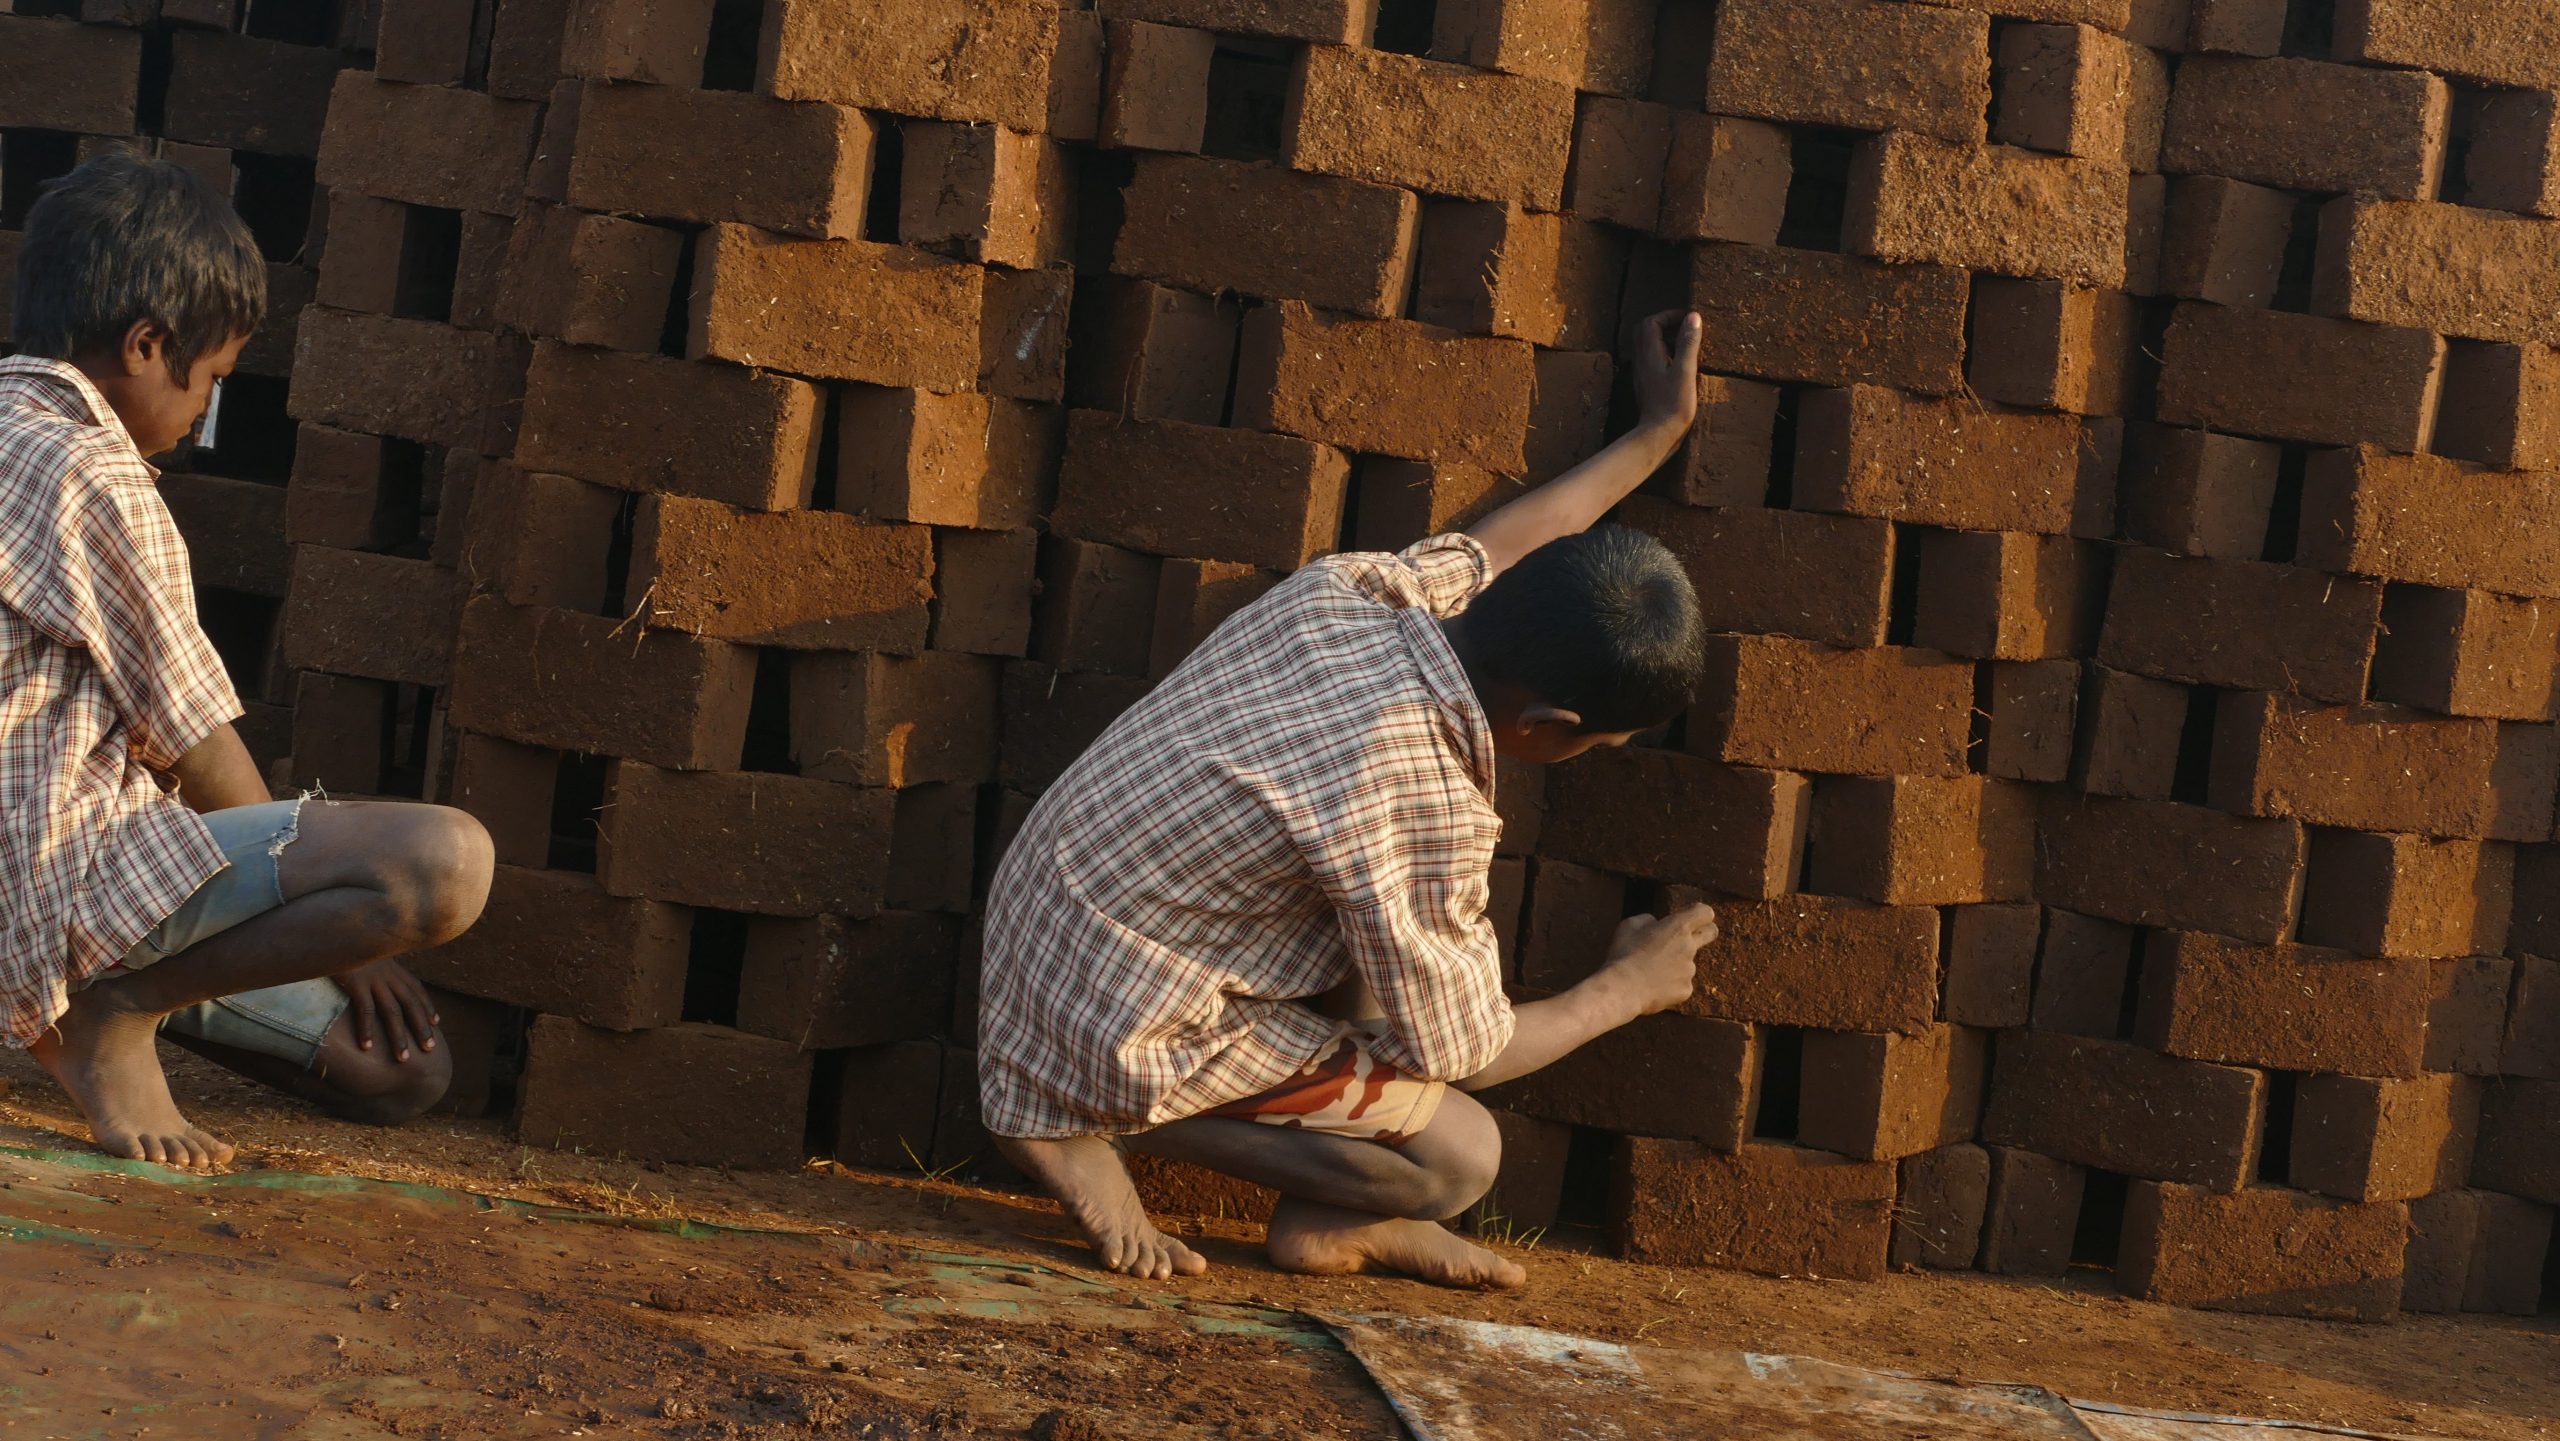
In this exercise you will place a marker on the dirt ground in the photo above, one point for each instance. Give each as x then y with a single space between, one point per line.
310 1315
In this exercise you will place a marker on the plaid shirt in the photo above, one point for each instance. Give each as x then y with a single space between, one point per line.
105 677
1308 798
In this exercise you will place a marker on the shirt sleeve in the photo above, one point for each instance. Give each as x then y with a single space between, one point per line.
1449 571
120 592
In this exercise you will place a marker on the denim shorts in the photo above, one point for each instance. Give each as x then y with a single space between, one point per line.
288 1022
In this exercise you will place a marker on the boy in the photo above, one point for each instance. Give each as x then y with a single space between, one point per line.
149 881
1246 929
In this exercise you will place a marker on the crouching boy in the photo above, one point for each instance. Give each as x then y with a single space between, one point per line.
1246 929
147 882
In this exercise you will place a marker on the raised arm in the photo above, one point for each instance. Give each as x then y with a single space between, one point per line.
1665 357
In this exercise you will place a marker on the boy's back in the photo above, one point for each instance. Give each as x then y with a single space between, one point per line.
1307 799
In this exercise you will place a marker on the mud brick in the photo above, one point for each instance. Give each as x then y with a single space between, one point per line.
808 580
1878 66
1939 1208
1884 1097
1402 501
2362 1139
2033 709
427 144
1663 1075
377 616
2383 131
524 49
1155 87
1870 451
1619 151
1423 125
827 982
642 422
1619 45
655 42
290 288
2532 1042
2242 624
2080 91
481 269
2467 272
508 788
1593 265
1572 921
554 941
1530 1188
424 43
1990 963
1569 412
879 720
555 145
802 169
1492 269
940 59
2153 863
2508 1251
2466 1014
2537 902
2007 596
1097 607
335 496
2436 1268
1785 314
2236 27
590 279
1193 598
2050 345
2403 895
892 1099
1050 718
958 460
1153 353
1726 460
415 379
2192 492
900 317
2283 1007
1133 483
61 75
366 238
1672 817
769 844
1824 578
247 93
2377 767
2499 44
2145 221
1919 840
2132 735
2225 240
2432 521
1516 37
1221 225
1810 1213
2264 1250
2501 405
1726 179
1388 387
1819 961
985 193
1075 77
234 532
933 849
2514 162
2082 968
691 1094
1996 208
2034 1213
338 727
583 683
2121 1107
1775 701
1325 22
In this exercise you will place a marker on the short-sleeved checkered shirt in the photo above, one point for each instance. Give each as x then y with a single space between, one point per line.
1308 798
105 678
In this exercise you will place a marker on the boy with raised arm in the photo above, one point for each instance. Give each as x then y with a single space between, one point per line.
147 882
1246 928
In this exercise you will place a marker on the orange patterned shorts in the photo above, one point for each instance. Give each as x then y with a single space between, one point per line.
1347 1091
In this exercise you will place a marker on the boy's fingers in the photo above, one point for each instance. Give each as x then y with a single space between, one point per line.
396 1025
362 1004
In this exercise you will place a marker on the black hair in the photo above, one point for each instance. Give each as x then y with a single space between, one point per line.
1603 623
127 238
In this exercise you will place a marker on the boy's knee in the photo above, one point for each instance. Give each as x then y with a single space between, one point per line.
437 872
1463 1158
399 1092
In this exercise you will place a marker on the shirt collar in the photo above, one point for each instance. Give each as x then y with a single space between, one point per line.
84 402
1446 679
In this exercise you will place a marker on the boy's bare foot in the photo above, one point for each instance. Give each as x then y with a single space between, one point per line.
1319 1240
105 1055
1087 1176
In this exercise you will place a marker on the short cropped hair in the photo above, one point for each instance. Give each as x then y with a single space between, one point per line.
1603 623
126 238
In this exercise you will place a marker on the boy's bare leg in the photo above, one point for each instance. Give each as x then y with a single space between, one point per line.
1351 1206
1092 1185
362 882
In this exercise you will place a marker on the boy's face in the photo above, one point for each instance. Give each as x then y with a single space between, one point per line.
155 409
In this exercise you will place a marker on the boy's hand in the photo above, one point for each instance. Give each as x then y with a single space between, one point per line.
387 1002
1666 368
1658 957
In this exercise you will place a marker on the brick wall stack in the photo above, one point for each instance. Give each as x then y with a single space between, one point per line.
748 449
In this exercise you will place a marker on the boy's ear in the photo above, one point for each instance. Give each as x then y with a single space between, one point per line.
1538 713
144 344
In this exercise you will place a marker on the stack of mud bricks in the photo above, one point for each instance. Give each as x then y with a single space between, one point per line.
749 447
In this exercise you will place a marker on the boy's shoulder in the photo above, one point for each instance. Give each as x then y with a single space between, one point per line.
46 436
